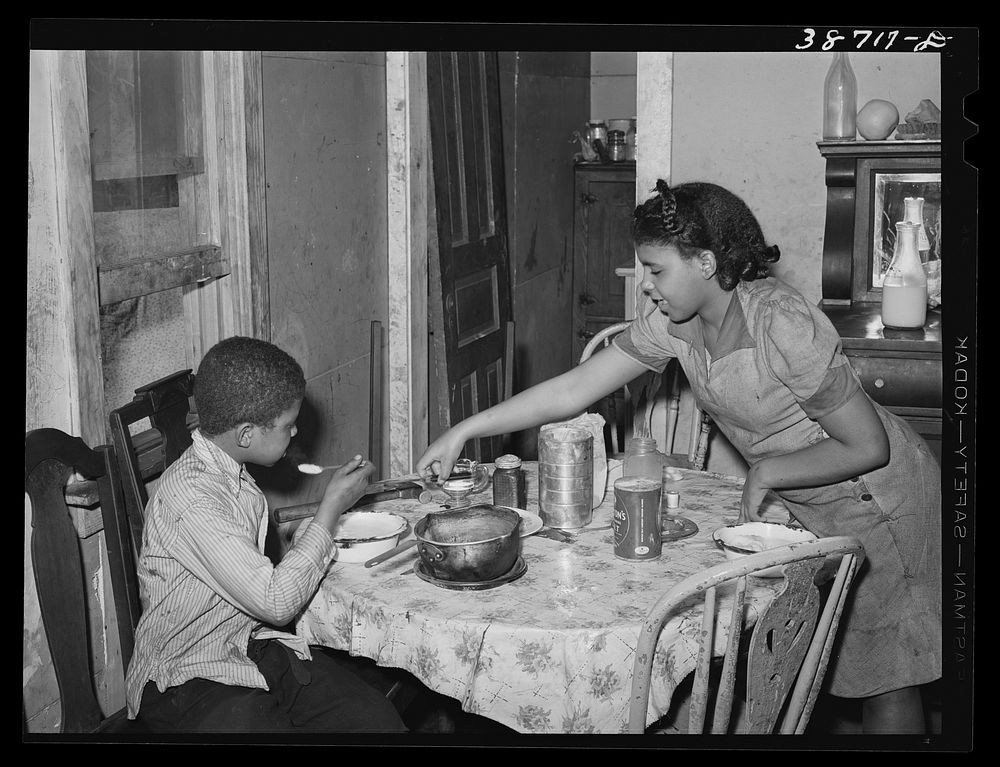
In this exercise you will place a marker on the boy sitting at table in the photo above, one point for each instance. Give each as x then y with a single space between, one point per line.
207 656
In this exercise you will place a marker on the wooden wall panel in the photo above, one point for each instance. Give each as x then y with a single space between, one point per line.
324 121
544 98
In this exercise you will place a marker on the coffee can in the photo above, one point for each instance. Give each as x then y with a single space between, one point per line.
636 521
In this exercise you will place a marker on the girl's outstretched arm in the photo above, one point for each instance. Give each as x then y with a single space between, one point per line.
857 444
564 396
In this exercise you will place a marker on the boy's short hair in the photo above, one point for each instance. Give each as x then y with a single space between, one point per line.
245 380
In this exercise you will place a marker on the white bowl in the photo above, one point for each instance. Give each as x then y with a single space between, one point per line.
753 537
361 535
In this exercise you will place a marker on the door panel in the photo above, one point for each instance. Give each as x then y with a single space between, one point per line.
605 200
463 99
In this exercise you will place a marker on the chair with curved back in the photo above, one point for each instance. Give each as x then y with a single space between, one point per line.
632 413
51 460
166 403
789 646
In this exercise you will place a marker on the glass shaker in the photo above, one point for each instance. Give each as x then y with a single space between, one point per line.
509 488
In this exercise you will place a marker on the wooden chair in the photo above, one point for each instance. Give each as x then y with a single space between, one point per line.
632 413
144 456
51 457
789 645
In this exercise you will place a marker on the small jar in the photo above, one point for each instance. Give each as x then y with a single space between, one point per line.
616 145
509 486
642 459
597 131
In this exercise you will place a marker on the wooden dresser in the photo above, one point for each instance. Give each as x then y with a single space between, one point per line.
901 370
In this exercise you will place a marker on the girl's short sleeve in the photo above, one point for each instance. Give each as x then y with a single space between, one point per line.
803 351
647 341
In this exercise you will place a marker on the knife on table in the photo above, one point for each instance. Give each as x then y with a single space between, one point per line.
385 490
556 535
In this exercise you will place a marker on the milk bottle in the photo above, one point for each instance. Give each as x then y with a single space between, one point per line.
904 288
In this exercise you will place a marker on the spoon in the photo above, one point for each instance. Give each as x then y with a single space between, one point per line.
312 468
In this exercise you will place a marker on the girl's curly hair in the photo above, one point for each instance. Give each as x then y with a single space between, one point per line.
245 380
701 216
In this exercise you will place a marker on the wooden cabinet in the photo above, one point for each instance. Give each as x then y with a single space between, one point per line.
901 370
604 195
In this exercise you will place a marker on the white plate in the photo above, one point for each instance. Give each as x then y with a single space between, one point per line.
361 535
753 537
530 523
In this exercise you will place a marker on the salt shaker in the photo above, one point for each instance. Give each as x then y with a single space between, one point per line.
509 488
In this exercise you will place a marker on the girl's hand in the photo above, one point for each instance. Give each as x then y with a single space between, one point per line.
440 456
347 484
754 491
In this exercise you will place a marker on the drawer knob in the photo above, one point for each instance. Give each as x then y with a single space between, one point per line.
879 383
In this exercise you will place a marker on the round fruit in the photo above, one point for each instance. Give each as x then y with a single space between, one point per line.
877 119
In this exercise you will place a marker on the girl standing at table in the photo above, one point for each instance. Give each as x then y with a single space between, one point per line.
768 367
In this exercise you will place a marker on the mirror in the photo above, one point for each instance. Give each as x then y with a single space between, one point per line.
890 190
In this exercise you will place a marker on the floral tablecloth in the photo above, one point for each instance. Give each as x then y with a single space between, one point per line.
552 651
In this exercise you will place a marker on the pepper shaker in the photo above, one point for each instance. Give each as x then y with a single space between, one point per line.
509 486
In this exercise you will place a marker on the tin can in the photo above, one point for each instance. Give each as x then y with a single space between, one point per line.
565 476
509 486
636 521
616 145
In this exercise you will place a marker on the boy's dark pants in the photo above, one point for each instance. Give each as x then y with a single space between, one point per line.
317 695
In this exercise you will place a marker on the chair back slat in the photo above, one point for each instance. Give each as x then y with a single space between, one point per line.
706 638
727 684
779 643
122 555
807 686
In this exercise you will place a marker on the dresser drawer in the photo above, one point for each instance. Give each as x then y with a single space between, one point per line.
900 381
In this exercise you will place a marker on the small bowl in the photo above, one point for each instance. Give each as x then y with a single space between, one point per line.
753 537
361 535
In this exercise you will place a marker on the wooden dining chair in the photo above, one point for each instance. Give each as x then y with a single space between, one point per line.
143 456
630 413
51 459
789 645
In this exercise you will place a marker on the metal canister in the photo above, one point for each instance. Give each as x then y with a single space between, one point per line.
509 485
636 521
616 145
565 476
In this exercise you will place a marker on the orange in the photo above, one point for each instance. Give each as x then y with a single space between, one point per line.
877 119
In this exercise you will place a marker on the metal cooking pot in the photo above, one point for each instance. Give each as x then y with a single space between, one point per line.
471 545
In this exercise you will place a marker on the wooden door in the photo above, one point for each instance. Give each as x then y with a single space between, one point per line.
604 203
466 151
